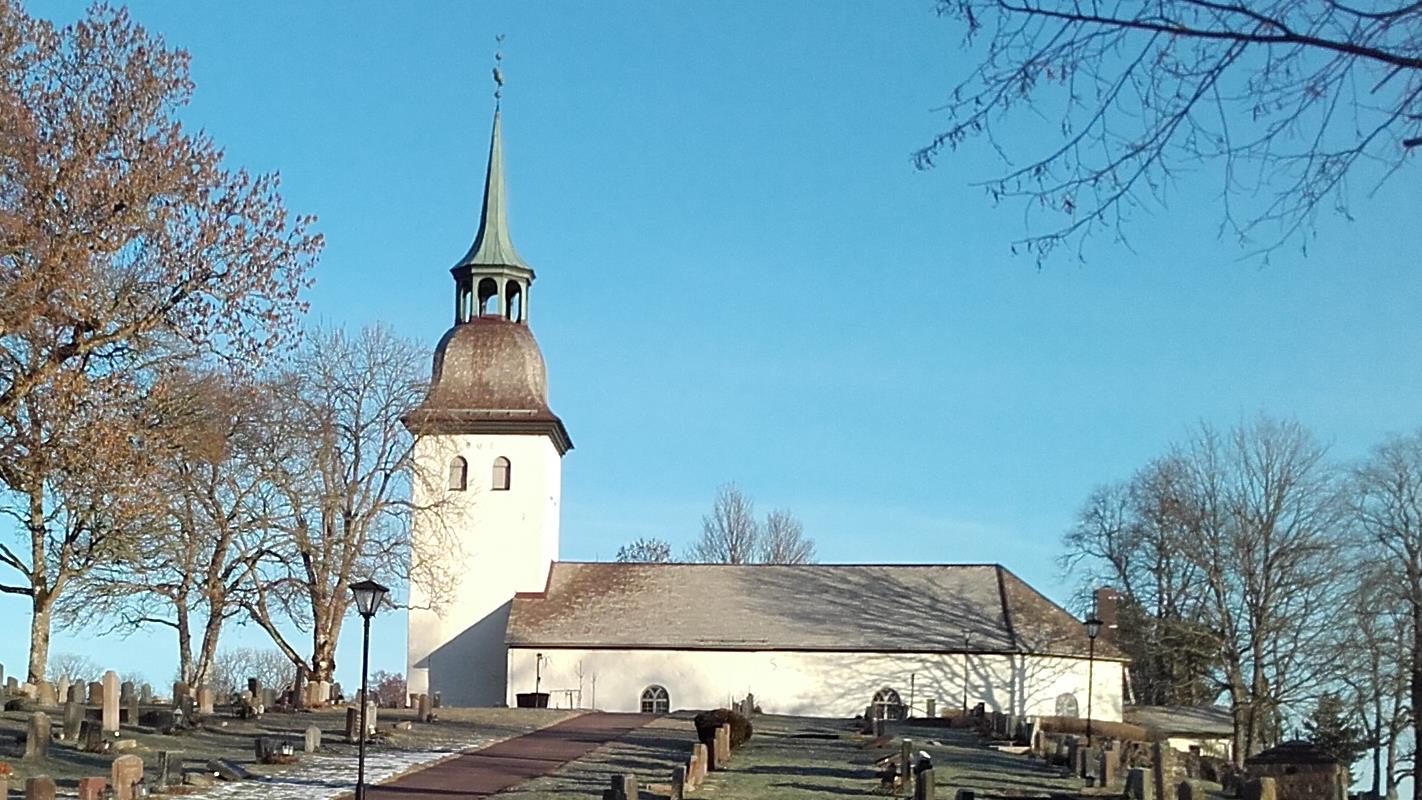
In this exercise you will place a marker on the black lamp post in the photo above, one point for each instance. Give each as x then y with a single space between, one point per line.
1093 627
368 596
965 673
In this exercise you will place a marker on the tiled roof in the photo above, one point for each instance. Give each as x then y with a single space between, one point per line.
848 607
1202 721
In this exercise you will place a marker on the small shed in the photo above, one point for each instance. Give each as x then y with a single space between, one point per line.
1203 730
1301 771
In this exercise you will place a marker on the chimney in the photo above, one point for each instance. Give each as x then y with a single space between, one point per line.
1108 602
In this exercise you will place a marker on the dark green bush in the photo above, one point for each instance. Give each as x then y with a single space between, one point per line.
708 721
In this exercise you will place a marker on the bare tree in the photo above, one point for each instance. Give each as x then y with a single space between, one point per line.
210 529
343 485
730 532
1267 515
645 551
783 541
1375 668
1388 509
1290 98
1132 536
73 666
232 667
124 244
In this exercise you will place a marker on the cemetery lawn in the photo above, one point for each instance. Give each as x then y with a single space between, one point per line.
455 728
800 757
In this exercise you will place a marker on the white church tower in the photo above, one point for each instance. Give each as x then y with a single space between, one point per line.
488 470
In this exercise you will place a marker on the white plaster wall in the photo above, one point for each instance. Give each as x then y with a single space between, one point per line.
493 543
829 684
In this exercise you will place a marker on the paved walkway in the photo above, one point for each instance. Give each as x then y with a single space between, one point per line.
508 763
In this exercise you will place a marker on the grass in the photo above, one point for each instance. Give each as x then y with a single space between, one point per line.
797 757
230 738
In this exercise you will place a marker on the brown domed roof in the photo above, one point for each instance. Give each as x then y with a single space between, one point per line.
489 377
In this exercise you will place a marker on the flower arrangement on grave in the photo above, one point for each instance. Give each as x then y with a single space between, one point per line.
5 771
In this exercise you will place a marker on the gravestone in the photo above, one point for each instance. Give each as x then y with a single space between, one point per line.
126 773
700 757
372 714
298 689
678 783
1139 785
180 694
268 698
91 736
313 739
352 724
905 763
923 781
73 716
205 700
111 704
435 701
37 737
1110 767
228 770
145 695
254 686
1261 788
723 745
1190 790
11 685
324 694
426 711
61 689
40 787
92 788
45 694
2 673
170 769
930 708
624 787
96 693
76 693
125 691
130 709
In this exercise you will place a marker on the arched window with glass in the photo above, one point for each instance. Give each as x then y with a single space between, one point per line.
458 474
655 700
502 474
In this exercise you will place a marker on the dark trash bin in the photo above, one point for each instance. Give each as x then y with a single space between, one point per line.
532 699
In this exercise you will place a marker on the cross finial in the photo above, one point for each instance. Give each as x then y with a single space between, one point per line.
498 73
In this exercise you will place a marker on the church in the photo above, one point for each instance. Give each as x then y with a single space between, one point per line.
822 639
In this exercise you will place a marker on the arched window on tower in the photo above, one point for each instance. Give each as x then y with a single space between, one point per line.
655 700
458 474
514 294
489 297
501 474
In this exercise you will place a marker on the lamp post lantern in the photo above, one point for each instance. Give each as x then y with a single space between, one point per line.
1093 628
368 596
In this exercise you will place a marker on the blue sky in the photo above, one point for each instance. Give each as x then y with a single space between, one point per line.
742 277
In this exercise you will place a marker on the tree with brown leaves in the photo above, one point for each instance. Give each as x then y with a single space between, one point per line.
125 245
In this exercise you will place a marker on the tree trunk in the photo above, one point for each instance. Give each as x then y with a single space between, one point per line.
1415 685
185 641
39 635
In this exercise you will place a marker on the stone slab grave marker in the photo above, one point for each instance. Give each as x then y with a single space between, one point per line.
96 693
678 783
923 780
170 769
624 787
372 716
92 788
45 694
180 693
426 709
40 787
145 695
76 692
130 709
1191 790
206 700
1139 784
435 701
12 686
111 704
91 736
906 764
698 758
228 770
1261 788
930 708
126 773
313 739
61 688
268 698
352 724
73 717
37 737
723 742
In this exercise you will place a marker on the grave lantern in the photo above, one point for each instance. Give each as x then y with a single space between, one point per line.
1093 629
368 596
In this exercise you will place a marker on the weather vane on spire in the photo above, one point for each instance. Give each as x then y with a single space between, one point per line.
498 73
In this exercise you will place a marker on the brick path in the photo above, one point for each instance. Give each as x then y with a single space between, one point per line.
508 763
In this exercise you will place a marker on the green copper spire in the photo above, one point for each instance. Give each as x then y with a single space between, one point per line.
493 246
